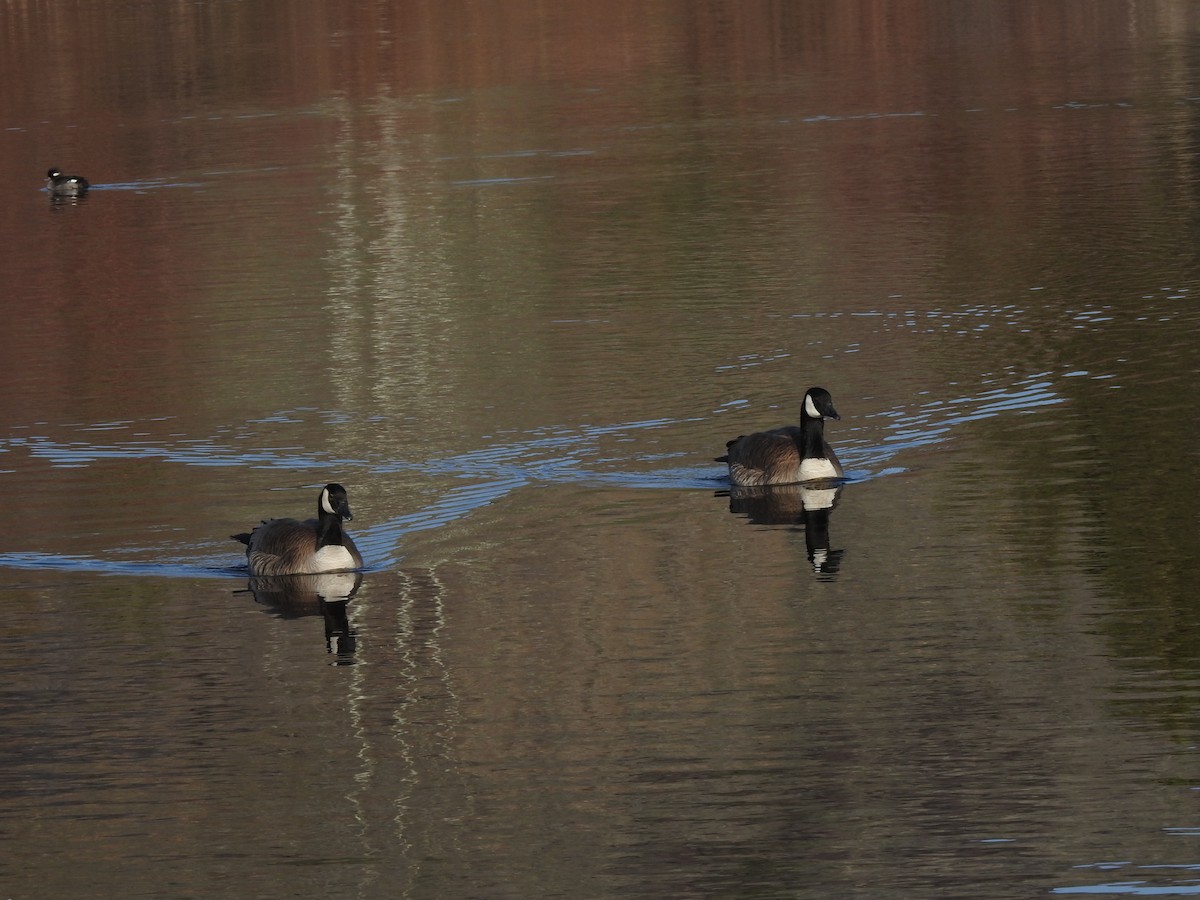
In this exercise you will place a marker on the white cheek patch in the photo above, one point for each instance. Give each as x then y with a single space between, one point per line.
325 505
810 407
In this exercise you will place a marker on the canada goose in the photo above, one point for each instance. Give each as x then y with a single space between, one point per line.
66 185
788 455
289 547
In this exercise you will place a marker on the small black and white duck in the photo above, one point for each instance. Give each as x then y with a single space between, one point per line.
291 547
788 455
66 185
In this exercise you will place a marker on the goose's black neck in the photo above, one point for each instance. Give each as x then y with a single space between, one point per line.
329 528
812 436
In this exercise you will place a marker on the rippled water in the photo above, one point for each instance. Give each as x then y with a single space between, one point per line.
514 276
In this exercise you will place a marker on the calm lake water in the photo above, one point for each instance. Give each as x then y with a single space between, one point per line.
514 274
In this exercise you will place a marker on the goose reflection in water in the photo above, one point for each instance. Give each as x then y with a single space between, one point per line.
327 595
806 506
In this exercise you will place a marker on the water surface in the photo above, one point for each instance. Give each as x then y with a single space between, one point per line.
514 276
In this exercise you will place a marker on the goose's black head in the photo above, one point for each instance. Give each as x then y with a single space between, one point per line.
818 405
333 502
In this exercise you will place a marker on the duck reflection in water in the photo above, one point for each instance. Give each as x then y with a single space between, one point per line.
806 506
327 595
